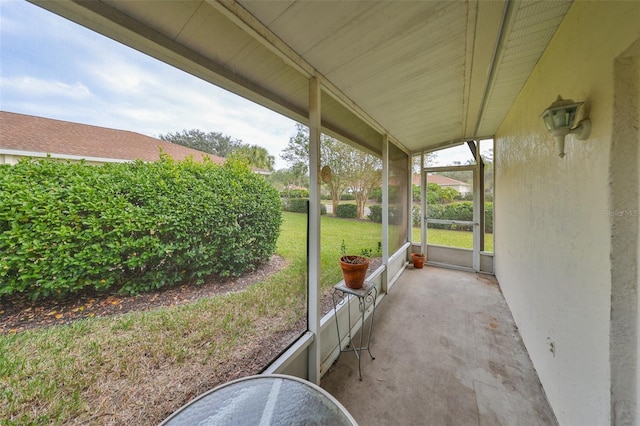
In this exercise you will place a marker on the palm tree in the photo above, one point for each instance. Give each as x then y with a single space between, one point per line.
255 156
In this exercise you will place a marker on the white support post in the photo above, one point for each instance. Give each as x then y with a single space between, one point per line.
314 296
481 171
477 208
409 202
423 198
385 211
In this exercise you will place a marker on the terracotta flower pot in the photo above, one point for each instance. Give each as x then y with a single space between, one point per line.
418 260
354 270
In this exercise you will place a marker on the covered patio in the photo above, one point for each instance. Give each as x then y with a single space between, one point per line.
447 351
400 80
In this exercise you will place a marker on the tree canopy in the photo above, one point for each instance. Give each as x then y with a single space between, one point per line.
254 155
351 169
222 145
213 142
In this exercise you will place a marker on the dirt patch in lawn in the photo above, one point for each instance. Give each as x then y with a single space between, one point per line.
20 314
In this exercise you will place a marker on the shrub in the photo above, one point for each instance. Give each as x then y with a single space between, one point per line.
297 205
376 195
394 194
416 192
395 214
416 213
375 213
347 197
295 193
130 227
300 205
347 211
488 217
454 211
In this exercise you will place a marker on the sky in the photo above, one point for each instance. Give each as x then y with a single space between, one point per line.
51 67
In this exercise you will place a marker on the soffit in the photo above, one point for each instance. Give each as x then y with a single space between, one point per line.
425 73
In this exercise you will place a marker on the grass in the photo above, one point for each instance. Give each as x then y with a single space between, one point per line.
139 367
459 239
106 368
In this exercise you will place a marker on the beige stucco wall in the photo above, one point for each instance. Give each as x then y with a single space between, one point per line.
624 193
552 230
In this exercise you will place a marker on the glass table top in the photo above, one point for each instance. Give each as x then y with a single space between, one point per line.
263 400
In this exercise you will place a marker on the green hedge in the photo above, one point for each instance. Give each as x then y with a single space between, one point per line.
300 205
454 211
416 216
488 217
394 194
295 193
347 211
375 214
130 227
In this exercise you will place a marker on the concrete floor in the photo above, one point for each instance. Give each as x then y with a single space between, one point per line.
447 352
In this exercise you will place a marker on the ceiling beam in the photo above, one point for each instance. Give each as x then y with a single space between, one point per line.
505 28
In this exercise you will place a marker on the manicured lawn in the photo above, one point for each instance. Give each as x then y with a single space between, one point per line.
460 239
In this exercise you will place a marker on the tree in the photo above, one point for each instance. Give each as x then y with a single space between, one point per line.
296 154
254 155
333 153
488 172
365 174
213 142
429 160
281 179
439 195
467 176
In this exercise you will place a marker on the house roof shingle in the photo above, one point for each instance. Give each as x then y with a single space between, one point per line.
44 135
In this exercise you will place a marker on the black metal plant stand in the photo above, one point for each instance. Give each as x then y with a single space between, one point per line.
366 295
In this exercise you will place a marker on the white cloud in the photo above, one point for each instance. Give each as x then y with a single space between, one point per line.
37 87
116 73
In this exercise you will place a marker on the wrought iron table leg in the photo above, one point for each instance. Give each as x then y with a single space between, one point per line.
373 312
371 296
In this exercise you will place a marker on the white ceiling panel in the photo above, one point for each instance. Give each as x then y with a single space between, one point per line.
533 25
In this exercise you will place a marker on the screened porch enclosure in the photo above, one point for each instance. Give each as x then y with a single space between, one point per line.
399 79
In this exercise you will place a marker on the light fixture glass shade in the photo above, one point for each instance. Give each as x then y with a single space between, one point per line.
561 115
559 119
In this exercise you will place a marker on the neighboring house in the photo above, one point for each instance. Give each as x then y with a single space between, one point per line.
445 182
37 137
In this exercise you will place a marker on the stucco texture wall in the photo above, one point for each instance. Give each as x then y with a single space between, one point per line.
552 230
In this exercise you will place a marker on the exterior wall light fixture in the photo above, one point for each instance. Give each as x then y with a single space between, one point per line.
559 119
